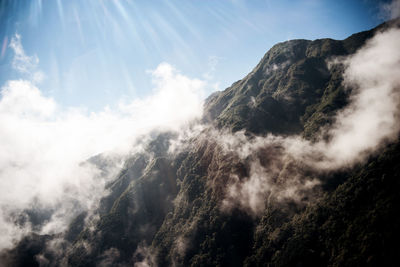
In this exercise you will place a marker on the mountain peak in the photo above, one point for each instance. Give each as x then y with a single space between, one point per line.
290 84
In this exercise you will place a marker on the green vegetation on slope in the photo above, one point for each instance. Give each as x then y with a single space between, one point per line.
171 204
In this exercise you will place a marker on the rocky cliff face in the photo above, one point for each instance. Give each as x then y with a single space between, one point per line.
181 206
291 90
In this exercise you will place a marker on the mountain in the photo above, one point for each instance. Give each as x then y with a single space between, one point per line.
175 209
290 91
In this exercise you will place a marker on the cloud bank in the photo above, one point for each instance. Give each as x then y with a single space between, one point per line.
44 146
286 168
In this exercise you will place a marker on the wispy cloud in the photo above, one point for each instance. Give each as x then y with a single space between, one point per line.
287 168
390 10
43 144
212 66
23 63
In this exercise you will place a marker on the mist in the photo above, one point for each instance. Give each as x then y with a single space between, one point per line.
286 168
45 147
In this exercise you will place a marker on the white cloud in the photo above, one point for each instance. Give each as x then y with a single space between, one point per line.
175 99
24 64
372 116
43 145
370 121
212 66
21 62
21 98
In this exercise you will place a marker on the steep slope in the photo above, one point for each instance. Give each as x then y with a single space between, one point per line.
356 225
291 90
169 209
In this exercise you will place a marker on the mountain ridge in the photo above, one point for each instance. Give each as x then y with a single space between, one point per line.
168 209
219 105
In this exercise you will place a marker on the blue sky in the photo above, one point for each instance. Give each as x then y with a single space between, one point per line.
93 53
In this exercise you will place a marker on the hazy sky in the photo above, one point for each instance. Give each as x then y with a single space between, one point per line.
93 53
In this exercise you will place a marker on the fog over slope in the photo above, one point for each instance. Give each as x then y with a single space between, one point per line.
49 176
368 122
44 147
